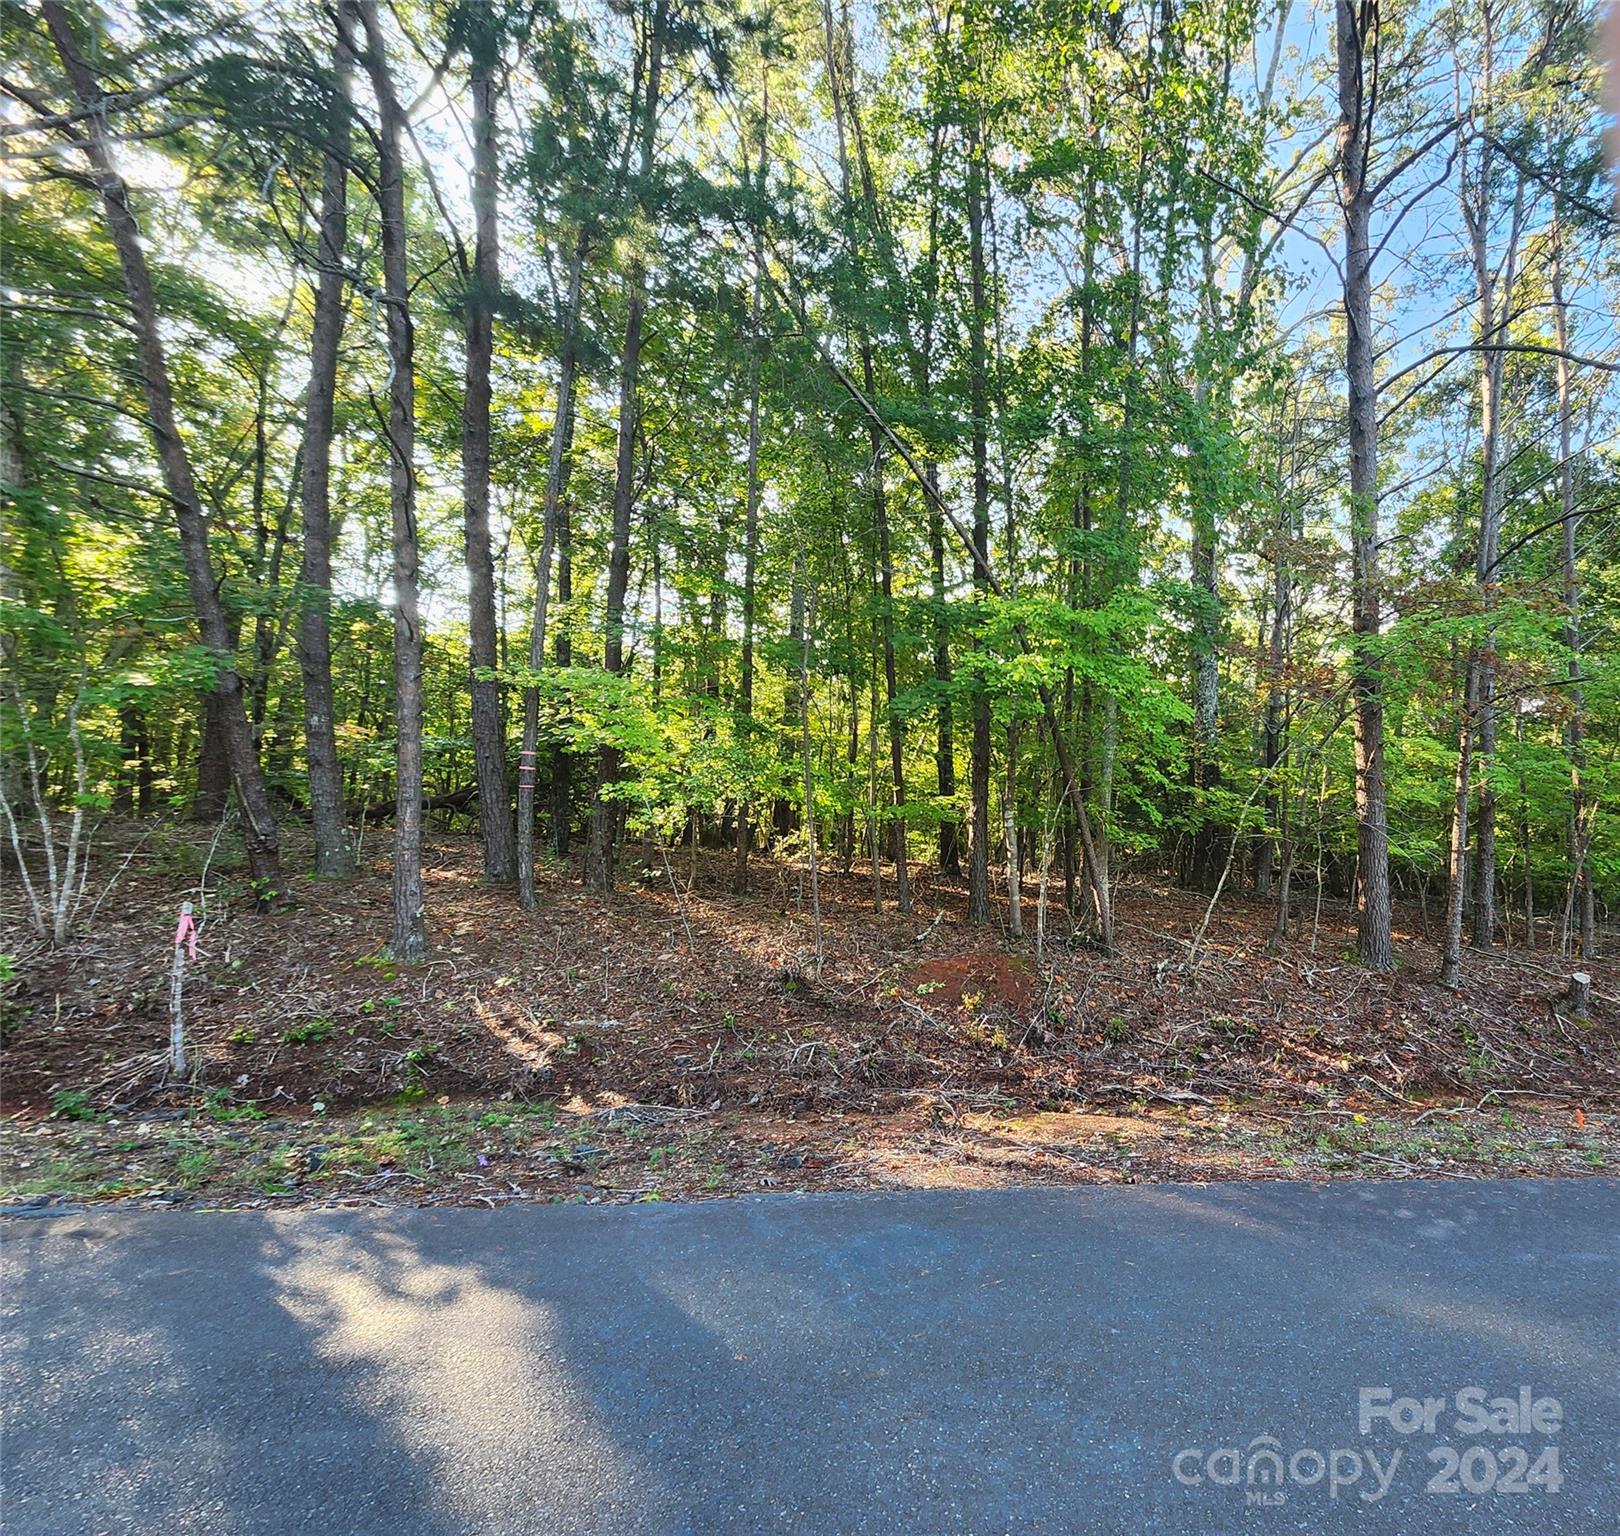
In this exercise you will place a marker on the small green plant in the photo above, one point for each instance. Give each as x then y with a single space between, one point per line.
278 1170
11 1012
1237 1031
382 963
542 1109
71 1104
221 1106
420 1057
1116 1030
194 1166
241 1035
990 1038
310 1033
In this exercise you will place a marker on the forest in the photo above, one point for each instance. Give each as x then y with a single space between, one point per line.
1091 510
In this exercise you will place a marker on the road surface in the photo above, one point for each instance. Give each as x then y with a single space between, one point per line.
908 1364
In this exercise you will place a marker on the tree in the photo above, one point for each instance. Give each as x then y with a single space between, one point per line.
334 857
756 346
1356 31
481 31
408 937
599 850
979 406
89 133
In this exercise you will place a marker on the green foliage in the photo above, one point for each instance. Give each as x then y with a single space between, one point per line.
71 1104
1162 420
311 1032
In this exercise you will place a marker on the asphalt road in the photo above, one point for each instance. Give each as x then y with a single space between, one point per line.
937 1363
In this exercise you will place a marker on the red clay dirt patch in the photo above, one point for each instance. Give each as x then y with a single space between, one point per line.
988 980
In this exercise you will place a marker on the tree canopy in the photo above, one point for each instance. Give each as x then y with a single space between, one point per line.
1042 438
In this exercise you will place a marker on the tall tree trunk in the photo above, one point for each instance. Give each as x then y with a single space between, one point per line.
1457 867
1525 842
145 765
269 544
1277 659
840 54
1009 826
852 751
269 549
1580 871
756 342
562 762
1375 937
408 940
258 822
1205 863
1081 586
896 726
979 839
557 469
874 834
792 704
212 793
489 737
805 623
950 851
604 812
130 753
1265 851
334 854
1495 310
656 555
950 854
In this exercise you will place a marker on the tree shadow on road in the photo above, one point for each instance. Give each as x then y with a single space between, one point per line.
945 1361
156 1382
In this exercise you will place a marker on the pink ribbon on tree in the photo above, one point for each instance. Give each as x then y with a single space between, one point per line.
186 933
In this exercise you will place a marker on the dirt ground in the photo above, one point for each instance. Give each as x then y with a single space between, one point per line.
673 1041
